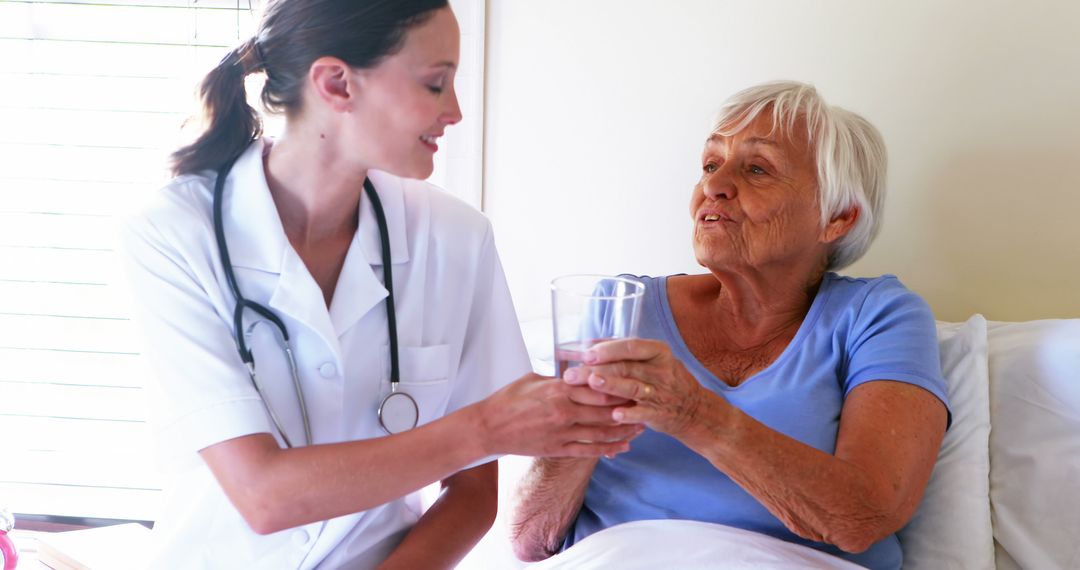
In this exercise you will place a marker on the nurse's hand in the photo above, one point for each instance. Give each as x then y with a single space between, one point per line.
546 417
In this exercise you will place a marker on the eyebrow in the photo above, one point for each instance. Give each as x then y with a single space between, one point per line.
717 138
447 63
760 140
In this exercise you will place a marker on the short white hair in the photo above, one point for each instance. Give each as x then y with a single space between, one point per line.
849 151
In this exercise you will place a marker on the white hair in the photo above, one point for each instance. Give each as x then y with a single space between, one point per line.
849 151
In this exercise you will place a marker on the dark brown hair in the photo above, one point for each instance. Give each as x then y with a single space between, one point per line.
291 36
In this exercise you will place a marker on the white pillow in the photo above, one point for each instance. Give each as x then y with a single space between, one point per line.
1035 444
688 545
952 527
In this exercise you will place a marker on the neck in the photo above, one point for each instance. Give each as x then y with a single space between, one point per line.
754 306
316 190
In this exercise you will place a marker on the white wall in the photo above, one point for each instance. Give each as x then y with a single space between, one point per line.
595 112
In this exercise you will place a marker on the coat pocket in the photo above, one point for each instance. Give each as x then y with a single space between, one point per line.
425 375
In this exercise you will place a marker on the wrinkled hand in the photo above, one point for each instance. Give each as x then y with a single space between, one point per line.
546 417
666 396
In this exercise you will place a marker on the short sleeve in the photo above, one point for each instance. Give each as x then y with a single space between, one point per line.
203 392
493 354
894 338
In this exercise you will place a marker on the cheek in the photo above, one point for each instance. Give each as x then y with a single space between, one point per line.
399 112
697 196
765 213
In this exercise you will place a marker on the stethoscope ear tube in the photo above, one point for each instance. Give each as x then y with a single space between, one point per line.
398 411
240 336
388 277
297 387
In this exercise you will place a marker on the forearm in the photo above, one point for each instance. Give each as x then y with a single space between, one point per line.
535 416
816 495
453 525
275 488
548 498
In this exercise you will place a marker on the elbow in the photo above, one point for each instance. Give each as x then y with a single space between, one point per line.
527 550
264 507
257 482
261 515
855 543
860 533
529 543
868 522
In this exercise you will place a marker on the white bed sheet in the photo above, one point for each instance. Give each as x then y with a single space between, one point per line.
687 545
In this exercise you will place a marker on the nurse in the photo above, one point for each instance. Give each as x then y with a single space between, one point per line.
282 458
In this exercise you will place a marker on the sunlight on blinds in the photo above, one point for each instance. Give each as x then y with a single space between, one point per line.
93 97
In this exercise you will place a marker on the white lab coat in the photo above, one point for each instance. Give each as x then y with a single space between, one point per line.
458 336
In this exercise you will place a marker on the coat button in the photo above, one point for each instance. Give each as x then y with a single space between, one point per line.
328 370
300 537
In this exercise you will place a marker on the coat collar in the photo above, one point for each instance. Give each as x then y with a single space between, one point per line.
257 241
253 228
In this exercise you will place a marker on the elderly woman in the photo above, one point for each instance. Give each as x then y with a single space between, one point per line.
779 397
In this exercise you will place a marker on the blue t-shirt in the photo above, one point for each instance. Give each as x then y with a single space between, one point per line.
857 330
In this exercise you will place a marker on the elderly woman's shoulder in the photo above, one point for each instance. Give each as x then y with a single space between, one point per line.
881 291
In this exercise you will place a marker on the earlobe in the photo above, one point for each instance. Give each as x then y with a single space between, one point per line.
329 76
839 226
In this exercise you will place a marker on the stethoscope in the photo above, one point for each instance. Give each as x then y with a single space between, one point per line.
398 411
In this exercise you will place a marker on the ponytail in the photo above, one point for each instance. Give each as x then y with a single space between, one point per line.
232 124
291 36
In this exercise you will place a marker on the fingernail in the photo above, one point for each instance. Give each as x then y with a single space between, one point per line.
571 375
617 415
596 380
590 356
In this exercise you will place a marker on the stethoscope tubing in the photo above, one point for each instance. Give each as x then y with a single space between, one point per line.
243 303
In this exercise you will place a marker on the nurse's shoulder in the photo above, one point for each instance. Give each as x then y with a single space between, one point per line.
178 205
438 218
171 219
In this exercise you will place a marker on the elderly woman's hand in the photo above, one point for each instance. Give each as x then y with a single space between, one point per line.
666 396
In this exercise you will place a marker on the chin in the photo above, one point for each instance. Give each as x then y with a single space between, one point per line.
419 171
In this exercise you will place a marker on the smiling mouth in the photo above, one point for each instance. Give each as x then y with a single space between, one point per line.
714 217
428 139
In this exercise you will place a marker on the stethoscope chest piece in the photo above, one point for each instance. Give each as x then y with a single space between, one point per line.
398 413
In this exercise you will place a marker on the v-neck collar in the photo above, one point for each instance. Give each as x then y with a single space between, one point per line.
667 319
256 240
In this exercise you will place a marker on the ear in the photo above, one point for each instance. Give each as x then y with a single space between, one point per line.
839 226
329 78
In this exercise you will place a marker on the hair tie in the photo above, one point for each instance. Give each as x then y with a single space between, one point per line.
250 57
261 63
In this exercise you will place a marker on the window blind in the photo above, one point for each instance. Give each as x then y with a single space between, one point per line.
92 95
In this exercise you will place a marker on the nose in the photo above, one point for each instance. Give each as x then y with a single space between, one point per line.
720 184
452 113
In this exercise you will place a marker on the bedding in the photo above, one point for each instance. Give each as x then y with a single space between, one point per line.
687 545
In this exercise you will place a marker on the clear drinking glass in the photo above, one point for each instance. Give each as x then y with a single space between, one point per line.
588 309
